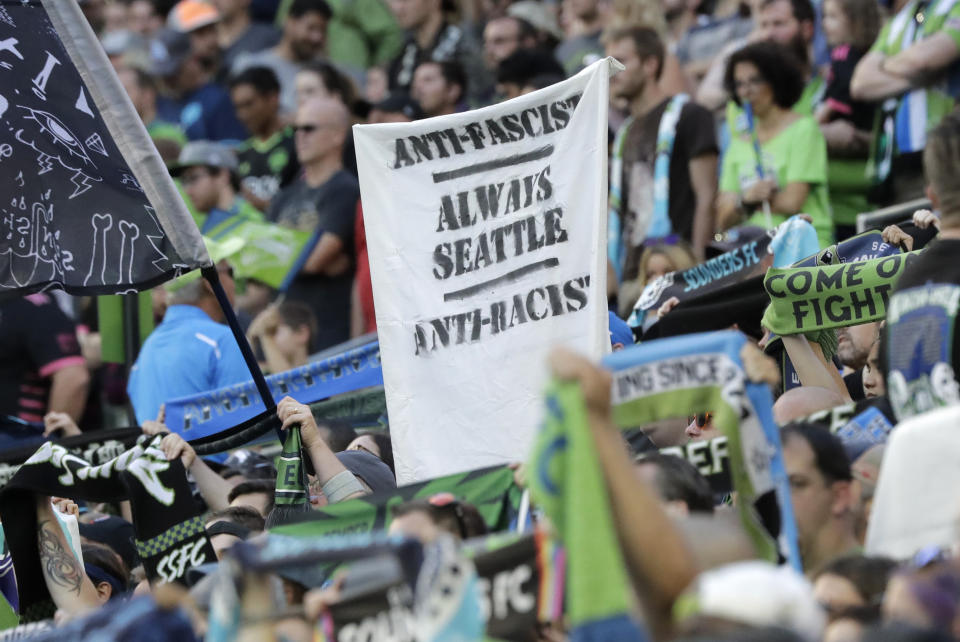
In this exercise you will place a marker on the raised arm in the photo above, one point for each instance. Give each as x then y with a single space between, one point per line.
71 589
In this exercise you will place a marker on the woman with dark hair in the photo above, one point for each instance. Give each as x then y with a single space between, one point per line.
779 165
377 444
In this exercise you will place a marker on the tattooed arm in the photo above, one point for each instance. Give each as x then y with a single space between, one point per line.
71 589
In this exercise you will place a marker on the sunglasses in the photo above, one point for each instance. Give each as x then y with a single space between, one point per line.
702 419
308 128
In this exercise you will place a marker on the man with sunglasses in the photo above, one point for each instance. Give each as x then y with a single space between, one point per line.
322 202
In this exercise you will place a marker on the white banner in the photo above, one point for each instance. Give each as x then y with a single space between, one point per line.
487 239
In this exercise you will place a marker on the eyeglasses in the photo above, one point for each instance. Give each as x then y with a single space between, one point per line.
702 419
756 81
449 502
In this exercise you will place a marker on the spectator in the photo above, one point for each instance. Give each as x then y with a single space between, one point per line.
443 513
198 19
504 35
698 37
373 472
439 87
303 41
853 349
909 70
520 68
655 261
238 34
791 23
143 18
42 370
338 434
333 478
362 33
851 27
431 37
377 444
323 201
142 89
106 571
684 205
820 492
191 351
257 494
396 108
922 351
231 525
925 596
208 173
202 109
320 79
793 153
682 489
267 161
851 588
874 382
285 333
582 45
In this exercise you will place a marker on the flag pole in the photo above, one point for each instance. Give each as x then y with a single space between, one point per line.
213 278
131 336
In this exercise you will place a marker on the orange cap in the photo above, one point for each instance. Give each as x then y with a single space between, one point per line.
189 15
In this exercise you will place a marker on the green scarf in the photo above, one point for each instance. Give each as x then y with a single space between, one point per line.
291 477
566 481
804 300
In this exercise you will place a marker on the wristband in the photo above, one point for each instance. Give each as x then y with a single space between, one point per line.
341 486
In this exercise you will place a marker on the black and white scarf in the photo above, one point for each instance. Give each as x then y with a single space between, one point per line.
170 537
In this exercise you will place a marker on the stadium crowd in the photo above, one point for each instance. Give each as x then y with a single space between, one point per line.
732 123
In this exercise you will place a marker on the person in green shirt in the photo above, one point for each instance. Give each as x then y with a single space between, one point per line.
780 165
790 23
910 70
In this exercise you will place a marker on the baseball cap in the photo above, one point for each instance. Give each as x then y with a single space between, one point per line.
755 593
538 14
115 532
251 465
168 50
190 15
400 103
620 332
369 468
204 153
122 41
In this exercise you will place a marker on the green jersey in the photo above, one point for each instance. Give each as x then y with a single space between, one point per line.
798 154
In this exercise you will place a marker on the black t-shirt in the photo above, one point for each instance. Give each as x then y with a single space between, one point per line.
329 208
843 60
695 136
921 343
450 44
36 340
267 167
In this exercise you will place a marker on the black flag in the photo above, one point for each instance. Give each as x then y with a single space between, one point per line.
86 204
